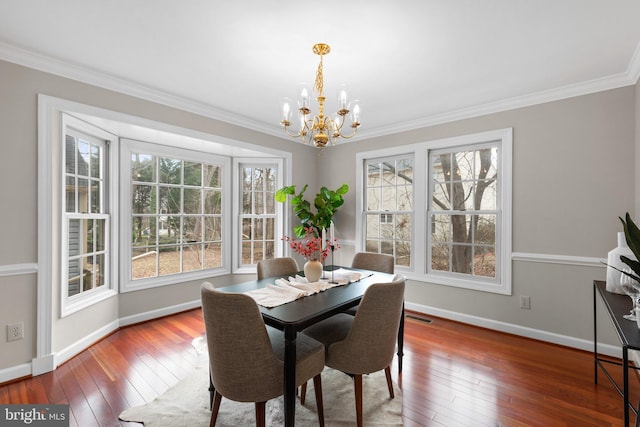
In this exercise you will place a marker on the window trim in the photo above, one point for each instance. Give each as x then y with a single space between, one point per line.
74 303
420 237
127 147
238 164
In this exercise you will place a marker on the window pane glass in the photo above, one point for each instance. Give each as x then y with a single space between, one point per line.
213 201
170 201
405 197
74 237
96 203
269 228
247 252
98 234
143 167
74 274
192 229
192 173
170 171
213 176
373 226
144 263
459 227
212 258
144 199
95 161
440 229
464 166
270 203
247 229
83 195
372 246
484 263
403 227
389 199
169 231
271 179
373 199
169 259
144 231
258 228
440 257
191 258
83 158
70 155
192 201
485 232
70 194
87 225
487 193
213 229
258 179
461 258
87 274
99 270
403 253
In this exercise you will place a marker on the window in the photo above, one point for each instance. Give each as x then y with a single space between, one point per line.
86 222
258 213
459 234
463 210
389 207
176 214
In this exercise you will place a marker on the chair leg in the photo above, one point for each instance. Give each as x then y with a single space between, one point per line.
387 372
217 397
260 418
317 388
303 392
357 382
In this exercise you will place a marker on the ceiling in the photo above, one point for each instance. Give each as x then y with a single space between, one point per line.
410 63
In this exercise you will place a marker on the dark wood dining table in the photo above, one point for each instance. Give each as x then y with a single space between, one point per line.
304 312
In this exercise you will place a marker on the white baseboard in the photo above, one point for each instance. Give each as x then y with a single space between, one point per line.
154 314
15 372
41 365
567 341
79 346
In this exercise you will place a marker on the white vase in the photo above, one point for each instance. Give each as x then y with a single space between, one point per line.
313 270
613 260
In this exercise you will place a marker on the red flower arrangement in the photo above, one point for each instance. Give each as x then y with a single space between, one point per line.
311 246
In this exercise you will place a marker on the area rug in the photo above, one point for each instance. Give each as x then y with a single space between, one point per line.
187 404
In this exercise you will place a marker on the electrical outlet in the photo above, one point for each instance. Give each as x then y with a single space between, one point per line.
15 331
525 302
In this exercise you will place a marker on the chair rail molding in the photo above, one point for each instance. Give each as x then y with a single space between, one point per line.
18 269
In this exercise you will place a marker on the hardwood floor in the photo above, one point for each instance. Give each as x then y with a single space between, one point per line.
453 375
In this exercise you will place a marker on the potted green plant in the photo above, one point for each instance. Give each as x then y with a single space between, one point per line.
632 236
326 204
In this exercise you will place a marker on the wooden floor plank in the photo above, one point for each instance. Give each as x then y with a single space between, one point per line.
453 375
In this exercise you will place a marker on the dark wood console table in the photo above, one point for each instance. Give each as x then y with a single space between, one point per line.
617 305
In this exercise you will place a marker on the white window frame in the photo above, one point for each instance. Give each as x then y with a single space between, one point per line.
421 233
129 146
238 164
74 303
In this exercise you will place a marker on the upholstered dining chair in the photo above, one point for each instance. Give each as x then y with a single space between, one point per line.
365 343
384 263
249 366
276 267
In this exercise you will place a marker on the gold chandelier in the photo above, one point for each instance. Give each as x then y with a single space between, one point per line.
321 129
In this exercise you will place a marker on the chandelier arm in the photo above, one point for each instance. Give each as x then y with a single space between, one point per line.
355 130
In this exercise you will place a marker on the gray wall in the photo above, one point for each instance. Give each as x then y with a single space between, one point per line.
18 192
574 174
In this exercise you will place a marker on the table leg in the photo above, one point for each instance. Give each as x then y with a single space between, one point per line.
289 376
401 340
625 381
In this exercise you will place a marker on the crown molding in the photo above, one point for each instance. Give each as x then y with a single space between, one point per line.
100 79
55 66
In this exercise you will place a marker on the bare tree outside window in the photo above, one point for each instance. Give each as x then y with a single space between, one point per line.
463 211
